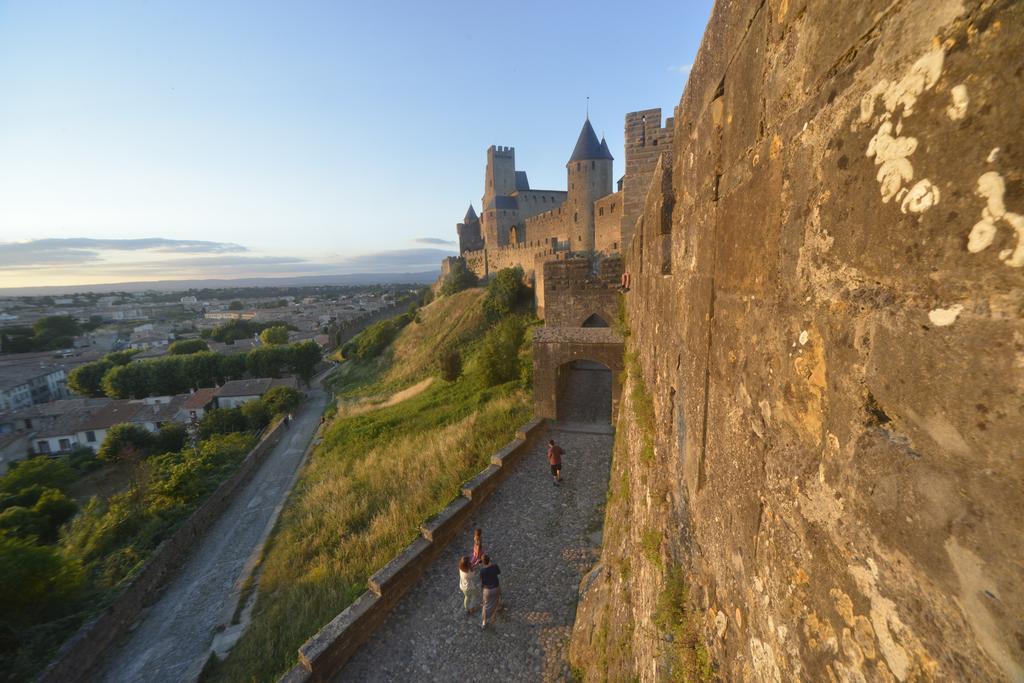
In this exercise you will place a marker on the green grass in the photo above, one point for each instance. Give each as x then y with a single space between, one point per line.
687 655
371 482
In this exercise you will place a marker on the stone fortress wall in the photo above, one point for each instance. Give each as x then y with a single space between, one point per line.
827 279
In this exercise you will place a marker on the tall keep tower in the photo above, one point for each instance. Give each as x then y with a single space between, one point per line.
499 182
590 178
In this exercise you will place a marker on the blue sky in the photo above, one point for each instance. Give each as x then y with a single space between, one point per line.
297 137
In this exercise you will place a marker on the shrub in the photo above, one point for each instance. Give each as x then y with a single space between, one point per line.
459 278
274 335
281 400
83 460
499 352
41 471
185 347
505 293
21 522
256 415
125 441
375 338
171 437
450 362
222 421
38 583
53 509
25 498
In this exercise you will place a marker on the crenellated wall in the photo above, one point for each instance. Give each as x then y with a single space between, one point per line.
818 471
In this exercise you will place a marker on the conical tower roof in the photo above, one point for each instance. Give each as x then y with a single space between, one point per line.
587 146
604 149
470 215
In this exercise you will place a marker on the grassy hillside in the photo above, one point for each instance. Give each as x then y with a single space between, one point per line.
375 477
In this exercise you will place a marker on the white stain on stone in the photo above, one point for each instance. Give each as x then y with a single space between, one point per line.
762 659
941 317
992 155
890 153
804 337
957 109
884 619
992 188
888 146
921 197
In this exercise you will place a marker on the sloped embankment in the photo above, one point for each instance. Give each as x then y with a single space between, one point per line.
374 478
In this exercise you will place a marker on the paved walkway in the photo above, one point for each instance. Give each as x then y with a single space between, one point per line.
543 537
176 631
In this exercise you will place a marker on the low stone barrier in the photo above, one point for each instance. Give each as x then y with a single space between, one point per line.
323 655
85 648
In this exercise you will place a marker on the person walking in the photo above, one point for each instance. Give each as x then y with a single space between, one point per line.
492 590
287 421
555 454
468 584
478 549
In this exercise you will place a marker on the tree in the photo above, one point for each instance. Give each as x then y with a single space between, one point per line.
303 358
281 400
118 358
187 346
87 379
499 352
171 437
450 362
125 441
505 293
459 278
41 470
267 361
235 305
21 522
127 381
222 421
56 326
274 335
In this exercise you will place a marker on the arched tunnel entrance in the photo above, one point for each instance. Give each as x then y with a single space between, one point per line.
577 373
584 392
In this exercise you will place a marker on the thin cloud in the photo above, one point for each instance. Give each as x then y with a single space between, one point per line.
395 261
681 69
82 250
435 240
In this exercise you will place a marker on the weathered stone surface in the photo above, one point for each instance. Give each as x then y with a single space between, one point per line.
834 358
397 572
480 486
445 524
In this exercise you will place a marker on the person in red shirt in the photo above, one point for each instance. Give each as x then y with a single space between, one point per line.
555 454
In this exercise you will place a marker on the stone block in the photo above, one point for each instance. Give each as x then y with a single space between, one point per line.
481 486
327 651
402 570
443 526
527 431
508 455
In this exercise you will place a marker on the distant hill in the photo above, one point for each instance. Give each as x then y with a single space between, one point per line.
424 277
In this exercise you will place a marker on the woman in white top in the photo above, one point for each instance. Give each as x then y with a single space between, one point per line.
469 584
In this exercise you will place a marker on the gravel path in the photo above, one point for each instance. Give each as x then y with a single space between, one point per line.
176 631
543 537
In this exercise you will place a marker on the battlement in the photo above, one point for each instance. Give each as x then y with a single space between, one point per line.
499 151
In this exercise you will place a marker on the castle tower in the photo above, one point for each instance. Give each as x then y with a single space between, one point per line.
470 238
590 178
499 182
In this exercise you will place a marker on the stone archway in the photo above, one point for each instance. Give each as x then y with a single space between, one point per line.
560 357
583 392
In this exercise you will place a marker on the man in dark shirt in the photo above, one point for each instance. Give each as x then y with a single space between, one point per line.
555 454
492 589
